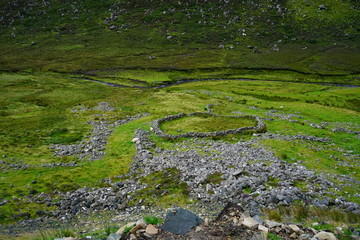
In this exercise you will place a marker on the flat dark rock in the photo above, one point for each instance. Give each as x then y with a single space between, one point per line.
180 221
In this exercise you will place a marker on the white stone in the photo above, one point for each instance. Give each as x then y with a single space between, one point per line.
293 235
272 224
135 140
250 222
198 229
263 228
206 222
294 228
325 236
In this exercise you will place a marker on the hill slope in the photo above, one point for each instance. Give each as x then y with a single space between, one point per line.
308 36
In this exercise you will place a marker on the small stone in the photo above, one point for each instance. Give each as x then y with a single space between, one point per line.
206 222
263 228
147 235
325 236
141 223
305 236
113 236
198 229
293 235
151 229
133 237
258 219
272 224
250 222
294 228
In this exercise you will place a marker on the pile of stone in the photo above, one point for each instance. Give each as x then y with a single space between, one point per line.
232 221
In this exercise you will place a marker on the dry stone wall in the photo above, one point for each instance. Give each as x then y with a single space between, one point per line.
260 126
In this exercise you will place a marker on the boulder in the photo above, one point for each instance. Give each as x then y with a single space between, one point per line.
180 221
325 236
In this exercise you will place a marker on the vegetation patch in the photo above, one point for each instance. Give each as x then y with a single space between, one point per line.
163 189
213 178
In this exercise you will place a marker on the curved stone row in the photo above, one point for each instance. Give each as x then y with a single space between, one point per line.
260 126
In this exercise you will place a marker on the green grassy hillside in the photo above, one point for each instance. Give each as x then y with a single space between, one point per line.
318 37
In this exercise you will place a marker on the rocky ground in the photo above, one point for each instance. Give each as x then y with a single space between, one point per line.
215 172
233 222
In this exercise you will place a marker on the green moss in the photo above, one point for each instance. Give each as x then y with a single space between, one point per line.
213 178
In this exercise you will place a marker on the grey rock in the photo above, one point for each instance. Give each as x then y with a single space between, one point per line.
180 221
113 236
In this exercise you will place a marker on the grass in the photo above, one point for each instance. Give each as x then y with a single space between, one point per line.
205 124
154 220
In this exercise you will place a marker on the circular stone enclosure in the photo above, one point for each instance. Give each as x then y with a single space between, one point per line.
199 124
